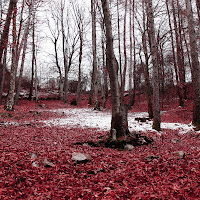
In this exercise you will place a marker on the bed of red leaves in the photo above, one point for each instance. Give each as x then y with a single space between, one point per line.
110 174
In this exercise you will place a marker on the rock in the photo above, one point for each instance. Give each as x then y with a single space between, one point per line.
175 140
35 164
179 154
47 163
80 158
33 156
150 157
129 147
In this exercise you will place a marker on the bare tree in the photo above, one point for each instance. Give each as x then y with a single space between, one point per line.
154 50
195 64
4 39
119 124
94 52
10 98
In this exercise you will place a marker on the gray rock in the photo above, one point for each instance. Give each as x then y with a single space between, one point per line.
47 163
79 157
129 147
179 154
175 140
35 164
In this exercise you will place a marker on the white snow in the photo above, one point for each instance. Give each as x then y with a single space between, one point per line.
88 118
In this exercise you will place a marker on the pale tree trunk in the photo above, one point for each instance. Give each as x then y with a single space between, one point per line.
119 124
3 74
146 68
22 66
94 52
178 56
154 50
195 65
173 54
134 56
182 67
131 56
105 76
9 105
119 42
125 54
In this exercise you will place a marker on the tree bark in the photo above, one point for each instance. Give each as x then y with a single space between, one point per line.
94 52
79 64
195 65
118 121
154 50
178 56
9 105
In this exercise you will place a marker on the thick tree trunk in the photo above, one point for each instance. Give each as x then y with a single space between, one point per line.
195 65
154 50
9 105
4 36
119 120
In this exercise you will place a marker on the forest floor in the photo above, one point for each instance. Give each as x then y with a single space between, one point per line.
38 141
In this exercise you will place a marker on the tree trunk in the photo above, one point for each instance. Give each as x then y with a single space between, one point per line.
125 54
119 120
119 43
3 74
154 50
178 56
33 61
94 52
4 36
9 105
174 56
146 68
79 66
195 65
131 56
22 68
198 8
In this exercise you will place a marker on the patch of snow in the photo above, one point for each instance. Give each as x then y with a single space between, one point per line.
88 118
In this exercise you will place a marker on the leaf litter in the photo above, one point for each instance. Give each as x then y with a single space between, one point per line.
36 157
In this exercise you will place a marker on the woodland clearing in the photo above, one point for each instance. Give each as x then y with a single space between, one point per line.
35 133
